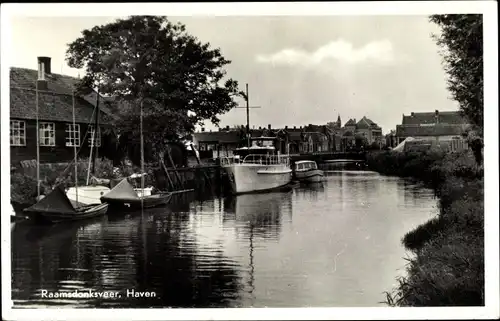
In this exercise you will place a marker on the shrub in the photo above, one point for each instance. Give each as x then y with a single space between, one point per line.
449 265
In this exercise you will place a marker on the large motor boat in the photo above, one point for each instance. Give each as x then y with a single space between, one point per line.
258 167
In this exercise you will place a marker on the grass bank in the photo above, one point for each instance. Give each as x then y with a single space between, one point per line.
448 266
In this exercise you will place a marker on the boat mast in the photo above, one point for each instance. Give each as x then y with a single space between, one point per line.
96 132
142 157
41 76
74 148
248 117
247 107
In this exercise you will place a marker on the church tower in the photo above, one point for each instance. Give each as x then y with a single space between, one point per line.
339 122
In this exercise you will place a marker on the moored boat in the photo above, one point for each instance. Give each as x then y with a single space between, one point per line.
257 168
87 195
123 195
307 171
57 207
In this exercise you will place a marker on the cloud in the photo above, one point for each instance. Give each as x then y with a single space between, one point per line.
339 50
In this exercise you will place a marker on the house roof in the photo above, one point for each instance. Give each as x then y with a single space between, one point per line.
294 135
444 117
316 136
437 130
350 122
365 123
51 107
55 103
220 136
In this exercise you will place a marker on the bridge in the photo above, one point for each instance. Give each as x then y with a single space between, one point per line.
330 157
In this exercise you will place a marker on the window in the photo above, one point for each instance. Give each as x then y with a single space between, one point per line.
97 138
17 133
47 134
72 135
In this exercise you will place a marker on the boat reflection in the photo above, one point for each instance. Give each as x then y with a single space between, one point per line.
260 214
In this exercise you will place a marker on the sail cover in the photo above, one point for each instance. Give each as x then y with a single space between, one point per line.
55 202
122 191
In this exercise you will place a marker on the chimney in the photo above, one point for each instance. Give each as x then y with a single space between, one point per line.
294 127
45 61
437 116
269 126
42 70
354 119
412 114
202 129
227 128
260 127
286 127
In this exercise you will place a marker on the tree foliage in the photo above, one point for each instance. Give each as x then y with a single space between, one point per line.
150 62
461 39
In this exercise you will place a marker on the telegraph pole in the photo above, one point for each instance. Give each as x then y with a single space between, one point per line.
247 107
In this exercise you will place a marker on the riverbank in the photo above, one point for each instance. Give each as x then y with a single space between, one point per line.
448 266
24 185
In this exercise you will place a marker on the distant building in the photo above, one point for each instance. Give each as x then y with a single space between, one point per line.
57 134
444 127
391 139
365 128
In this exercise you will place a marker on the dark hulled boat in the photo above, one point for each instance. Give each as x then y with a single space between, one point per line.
56 207
123 195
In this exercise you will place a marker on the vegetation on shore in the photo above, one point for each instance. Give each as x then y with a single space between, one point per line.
24 185
448 265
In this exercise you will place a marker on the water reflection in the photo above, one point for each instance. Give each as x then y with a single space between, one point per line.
258 215
336 243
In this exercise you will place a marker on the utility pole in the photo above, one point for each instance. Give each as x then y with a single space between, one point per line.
247 107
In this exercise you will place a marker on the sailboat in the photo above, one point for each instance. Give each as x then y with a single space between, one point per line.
124 195
90 193
56 206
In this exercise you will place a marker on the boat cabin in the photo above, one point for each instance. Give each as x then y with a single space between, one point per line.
305 165
261 151
259 146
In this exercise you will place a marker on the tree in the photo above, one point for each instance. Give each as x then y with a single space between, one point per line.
361 142
461 39
151 64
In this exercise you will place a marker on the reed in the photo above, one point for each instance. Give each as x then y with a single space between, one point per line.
448 266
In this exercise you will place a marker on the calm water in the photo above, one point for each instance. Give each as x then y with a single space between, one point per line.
332 244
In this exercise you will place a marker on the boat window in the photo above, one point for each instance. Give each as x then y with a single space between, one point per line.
314 166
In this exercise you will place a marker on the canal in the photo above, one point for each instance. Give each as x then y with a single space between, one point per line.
334 244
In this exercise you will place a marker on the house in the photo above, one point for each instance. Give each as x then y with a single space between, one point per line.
314 142
58 136
445 128
218 143
370 130
365 129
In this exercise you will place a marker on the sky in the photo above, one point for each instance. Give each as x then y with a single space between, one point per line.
300 70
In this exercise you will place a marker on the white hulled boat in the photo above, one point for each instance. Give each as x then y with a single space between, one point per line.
257 168
307 171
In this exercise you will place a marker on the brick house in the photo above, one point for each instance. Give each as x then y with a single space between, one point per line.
365 128
57 134
444 127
